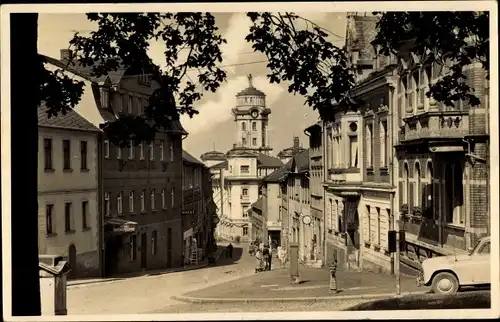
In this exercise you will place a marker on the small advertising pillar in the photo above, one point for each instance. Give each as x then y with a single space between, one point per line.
53 275
294 263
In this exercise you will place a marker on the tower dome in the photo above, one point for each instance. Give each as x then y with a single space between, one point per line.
251 96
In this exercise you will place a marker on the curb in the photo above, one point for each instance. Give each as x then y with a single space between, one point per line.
200 300
117 279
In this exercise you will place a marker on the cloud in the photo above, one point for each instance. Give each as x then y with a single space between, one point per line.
237 30
218 110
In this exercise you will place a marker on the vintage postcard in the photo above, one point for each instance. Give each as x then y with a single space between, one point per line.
216 161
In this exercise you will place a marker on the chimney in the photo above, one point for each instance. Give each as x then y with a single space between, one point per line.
66 54
296 145
234 145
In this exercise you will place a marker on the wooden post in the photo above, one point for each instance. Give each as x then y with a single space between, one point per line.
294 262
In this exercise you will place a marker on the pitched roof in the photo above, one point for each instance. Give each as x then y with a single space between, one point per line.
259 204
189 158
267 161
71 121
301 161
220 165
213 155
278 174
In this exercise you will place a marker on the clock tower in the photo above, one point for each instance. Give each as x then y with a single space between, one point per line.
252 117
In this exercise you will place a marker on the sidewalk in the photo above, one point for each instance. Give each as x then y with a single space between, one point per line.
275 286
144 274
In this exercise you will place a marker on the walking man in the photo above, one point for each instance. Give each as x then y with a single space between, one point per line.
333 274
230 250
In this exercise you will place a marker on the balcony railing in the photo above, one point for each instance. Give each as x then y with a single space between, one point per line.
245 198
436 124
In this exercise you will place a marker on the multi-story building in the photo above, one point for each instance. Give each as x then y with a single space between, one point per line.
442 169
141 185
196 207
69 220
316 180
286 155
256 221
246 164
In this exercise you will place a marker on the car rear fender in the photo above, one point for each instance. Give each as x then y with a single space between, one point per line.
429 282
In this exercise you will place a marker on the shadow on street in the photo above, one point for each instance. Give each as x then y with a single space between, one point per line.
478 299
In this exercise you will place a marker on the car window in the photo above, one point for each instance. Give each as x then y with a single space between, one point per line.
485 249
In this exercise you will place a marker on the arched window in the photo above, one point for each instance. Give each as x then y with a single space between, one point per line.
418 185
406 183
430 187
254 126
243 126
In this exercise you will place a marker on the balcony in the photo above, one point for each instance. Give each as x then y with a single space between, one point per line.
245 198
436 124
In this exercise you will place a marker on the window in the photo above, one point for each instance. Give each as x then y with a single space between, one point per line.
47 148
485 249
430 189
245 231
154 242
454 194
131 205
66 154
244 141
171 148
139 105
162 143
378 226
244 191
368 223
106 149
132 249
49 228
105 98
153 201
384 144
85 209
67 216
107 205
418 185
118 152
254 126
152 151
141 151
143 201
172 196
254 141
83 155
130 104
353 155
119 204
406 184
245 169
163 202
131 151
243 126
369 145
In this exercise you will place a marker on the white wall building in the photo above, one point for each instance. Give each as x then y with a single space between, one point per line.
68 207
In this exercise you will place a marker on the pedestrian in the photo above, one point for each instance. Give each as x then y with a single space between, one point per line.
258 261
250 249
270 259
282 256
333 274
266 255
230 250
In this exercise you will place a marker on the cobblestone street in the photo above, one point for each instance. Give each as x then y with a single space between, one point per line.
151 293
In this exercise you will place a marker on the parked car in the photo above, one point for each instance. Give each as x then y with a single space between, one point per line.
446 274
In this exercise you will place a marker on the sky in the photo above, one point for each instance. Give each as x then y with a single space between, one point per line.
214 126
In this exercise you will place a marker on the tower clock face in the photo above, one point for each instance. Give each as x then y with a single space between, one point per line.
255 114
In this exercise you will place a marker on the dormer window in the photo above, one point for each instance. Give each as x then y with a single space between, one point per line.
104 97
144 79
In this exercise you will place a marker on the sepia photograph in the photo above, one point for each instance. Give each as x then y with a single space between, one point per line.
215 161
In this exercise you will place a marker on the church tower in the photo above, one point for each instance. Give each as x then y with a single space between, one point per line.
252 117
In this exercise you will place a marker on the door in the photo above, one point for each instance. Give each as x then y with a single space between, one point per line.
169 247
144 250
72 260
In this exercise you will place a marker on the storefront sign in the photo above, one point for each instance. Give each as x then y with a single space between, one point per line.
124 229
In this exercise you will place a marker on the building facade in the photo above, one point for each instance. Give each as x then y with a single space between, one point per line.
141 186
443 169
69 219
197 209
237 180
316 168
